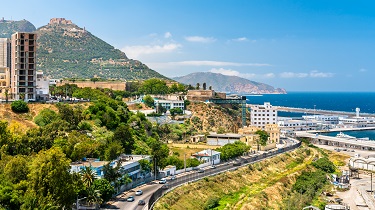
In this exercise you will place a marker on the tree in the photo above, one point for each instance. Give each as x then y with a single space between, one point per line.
123 135
16 169
88 176
159 152
50 181
204 86
149 101
325 165
113 150
104 188
154 86
94 79
175 111
263 137
210 88
198 85
19 106
145 165
161 109
45 117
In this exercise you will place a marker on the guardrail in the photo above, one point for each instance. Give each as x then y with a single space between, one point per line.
186 179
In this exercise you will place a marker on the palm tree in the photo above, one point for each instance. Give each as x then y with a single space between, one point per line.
93 196
88 176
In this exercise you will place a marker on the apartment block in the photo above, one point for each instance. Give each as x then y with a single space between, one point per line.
23 66
261 115
5 52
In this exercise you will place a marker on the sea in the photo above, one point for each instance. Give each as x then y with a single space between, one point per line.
335 101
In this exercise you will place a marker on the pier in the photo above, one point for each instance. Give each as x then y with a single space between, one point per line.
338 142
320 112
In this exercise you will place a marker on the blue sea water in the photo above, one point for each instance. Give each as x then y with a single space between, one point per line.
335 101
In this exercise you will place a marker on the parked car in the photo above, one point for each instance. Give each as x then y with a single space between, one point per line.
200 170
130 199
213 166
173 177
139 192
141 202
162 181
236 163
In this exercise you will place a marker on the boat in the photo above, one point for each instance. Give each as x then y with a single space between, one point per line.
364 138
344 136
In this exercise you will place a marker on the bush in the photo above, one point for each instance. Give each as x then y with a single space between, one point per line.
212 203
19 106
325 165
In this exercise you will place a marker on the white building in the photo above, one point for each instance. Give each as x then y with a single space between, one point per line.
324 119
42 87
169 104
208 156
286 123
261 115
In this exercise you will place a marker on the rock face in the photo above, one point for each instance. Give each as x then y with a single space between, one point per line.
228 84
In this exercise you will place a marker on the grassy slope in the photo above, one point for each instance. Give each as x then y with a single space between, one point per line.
260 186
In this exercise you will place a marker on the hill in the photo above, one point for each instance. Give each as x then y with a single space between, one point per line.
68 51
229 84
8 27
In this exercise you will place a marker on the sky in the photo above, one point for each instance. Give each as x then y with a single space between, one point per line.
315 45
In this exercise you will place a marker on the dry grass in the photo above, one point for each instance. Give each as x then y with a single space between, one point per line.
260 186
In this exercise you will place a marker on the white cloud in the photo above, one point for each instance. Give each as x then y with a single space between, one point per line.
269 75
136 51
362 70
200 39
241 39
314 74
167 35
228 72
215 63
292 75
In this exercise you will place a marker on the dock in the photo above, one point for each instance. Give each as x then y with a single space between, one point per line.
320 112
338 142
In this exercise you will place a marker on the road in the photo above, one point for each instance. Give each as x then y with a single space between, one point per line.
149 188
121 202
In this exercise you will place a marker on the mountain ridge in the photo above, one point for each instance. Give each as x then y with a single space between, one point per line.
229 84
65 50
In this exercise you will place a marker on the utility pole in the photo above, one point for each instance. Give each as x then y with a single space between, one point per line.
185 162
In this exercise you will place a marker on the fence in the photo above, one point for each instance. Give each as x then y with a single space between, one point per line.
160 192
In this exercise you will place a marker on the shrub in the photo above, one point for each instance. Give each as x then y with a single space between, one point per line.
212 203
325 165
19 106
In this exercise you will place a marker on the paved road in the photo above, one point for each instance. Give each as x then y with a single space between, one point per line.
147 189
186 177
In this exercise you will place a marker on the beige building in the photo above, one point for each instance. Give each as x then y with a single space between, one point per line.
4 83
197 138
252 139
23 66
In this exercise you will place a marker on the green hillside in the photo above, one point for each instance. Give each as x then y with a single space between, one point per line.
68 51
8 27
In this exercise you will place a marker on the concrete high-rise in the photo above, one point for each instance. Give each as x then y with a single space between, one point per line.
23 66
5 52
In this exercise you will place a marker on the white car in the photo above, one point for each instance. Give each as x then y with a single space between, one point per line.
162 181
139 192
172 177
130 199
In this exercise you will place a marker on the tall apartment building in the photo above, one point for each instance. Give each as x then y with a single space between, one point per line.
5 52
23 66
4 68
261 115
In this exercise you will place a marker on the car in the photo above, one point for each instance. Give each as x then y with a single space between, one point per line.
162 181
213 166
141 202
139 192
130 199
235 163
172 177
200 170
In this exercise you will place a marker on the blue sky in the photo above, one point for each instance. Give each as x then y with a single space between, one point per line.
297 45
